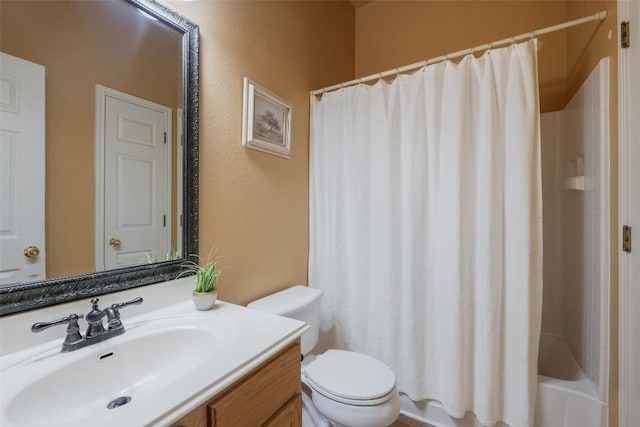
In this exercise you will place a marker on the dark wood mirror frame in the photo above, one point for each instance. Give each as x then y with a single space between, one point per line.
32 295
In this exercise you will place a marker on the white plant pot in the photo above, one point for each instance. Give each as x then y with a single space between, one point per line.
204 300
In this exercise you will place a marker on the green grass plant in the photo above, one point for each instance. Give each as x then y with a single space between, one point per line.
206 275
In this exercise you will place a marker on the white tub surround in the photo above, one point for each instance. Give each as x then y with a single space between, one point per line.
575 148
586 226
190 356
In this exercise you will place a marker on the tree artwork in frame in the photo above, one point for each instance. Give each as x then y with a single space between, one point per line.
266 121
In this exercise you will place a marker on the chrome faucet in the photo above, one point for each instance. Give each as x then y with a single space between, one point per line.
95 329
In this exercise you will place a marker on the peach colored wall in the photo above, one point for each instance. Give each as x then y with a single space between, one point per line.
254 206
81 44
394 33
586 45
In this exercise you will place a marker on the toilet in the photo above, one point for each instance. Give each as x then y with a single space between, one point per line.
340 388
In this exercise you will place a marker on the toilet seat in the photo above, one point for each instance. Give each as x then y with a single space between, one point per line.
351 378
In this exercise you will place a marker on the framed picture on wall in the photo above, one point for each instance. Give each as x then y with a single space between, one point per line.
266 121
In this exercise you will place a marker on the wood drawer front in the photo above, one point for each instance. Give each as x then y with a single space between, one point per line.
260 394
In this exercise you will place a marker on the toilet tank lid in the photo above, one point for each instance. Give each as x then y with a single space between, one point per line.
288 301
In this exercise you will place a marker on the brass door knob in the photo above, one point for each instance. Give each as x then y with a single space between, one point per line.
31 251
114 243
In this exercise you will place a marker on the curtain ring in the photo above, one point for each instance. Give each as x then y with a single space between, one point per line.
532 35
489 47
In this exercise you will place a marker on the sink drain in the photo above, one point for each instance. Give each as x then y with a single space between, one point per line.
118 401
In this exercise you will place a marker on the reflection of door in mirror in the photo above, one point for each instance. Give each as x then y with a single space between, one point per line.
22 256
134 138
83 44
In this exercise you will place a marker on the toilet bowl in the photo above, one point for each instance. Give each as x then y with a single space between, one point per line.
341 388
352 389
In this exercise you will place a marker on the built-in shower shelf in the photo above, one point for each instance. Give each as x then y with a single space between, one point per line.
574 183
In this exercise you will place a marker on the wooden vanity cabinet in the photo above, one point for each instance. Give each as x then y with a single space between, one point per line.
268 396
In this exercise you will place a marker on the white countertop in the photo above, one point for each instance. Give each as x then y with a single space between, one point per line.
243 339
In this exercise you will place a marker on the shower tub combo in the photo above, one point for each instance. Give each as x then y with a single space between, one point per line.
565 397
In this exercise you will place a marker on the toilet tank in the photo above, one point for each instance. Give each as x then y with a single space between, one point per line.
298 302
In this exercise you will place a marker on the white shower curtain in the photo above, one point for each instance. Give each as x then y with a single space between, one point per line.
426 229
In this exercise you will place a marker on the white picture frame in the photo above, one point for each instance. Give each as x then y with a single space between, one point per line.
266 121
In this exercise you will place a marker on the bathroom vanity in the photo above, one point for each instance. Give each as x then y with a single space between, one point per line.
174 366
267 396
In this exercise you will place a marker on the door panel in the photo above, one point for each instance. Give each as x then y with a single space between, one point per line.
22 166
135 192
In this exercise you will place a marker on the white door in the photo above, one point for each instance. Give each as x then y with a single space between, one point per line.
136 185
629 98
22 250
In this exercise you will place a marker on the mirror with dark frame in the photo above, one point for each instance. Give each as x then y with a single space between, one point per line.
106 198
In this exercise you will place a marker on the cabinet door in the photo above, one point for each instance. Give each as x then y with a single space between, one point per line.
255 398
195 418
289 416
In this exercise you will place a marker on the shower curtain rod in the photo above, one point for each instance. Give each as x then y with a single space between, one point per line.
600 16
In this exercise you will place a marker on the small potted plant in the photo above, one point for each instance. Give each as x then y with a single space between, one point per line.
205 293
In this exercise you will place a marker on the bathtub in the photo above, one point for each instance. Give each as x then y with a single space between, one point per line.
565 397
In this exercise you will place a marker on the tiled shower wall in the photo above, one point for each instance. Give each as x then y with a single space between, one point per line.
552 135
575 142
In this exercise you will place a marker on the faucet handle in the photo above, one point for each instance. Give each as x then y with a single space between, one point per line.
113 312
135 301
71 319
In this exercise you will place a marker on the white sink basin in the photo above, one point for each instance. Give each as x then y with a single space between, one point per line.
148 358
163 361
